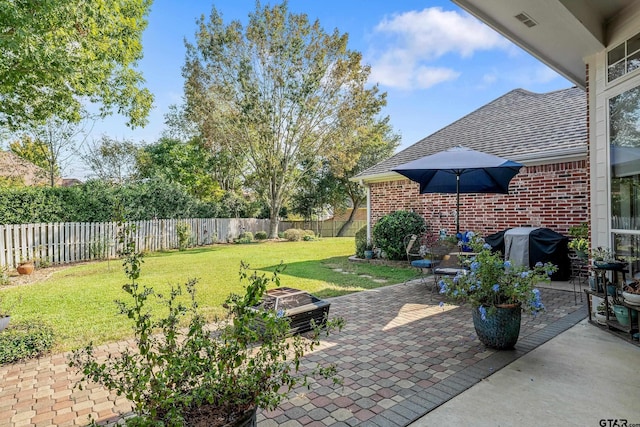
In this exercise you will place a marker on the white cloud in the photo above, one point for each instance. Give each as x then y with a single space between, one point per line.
413 41
489 78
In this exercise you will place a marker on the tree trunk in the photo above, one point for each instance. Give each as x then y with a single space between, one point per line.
345 226
273 226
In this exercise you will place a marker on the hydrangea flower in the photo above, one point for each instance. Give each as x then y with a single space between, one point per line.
483 312
492 281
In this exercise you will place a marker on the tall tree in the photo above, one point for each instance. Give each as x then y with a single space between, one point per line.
111 160
279 94
56 54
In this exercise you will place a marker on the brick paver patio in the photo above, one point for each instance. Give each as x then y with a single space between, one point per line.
400 355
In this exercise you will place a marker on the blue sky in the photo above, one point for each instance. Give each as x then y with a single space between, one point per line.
436 62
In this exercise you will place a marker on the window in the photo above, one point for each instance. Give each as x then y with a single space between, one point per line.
624 143
623 58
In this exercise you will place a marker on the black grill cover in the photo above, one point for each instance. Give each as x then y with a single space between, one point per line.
545 245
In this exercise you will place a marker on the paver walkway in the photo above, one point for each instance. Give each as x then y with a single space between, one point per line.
400 356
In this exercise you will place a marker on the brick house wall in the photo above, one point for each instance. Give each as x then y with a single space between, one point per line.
554 196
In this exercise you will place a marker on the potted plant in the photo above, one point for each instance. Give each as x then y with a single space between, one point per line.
25 266
622 313
601 313
580 239
498 292
202 375
631 293
605 258
368 250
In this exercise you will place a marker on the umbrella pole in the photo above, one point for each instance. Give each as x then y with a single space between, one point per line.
458 204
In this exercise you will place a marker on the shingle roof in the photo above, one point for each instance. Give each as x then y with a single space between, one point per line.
517 125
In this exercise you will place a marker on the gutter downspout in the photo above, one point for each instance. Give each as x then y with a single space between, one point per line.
369 240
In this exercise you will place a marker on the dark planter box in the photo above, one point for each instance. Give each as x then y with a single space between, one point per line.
298 306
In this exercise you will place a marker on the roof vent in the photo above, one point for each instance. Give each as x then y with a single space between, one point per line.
526 20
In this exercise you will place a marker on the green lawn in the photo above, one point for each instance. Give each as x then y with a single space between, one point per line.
78 301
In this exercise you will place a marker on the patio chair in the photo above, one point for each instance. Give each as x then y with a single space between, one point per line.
449 264
416 250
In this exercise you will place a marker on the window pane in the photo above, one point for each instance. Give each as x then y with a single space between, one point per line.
627 247
615 54
615 71
624 134
633 62
633 44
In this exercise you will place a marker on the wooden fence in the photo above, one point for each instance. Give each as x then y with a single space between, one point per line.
61 243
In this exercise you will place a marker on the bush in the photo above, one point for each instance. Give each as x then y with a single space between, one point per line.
390 230
280 235
184 235
261 235
293 235
361 241
25 340
244 237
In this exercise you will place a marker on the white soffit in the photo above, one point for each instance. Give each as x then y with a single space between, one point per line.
565 31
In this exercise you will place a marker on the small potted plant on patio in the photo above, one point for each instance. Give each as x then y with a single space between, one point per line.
580 239
605 258
202 375
368 250
498 292
631 292
601 313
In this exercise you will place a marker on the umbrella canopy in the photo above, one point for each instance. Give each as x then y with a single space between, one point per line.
460 170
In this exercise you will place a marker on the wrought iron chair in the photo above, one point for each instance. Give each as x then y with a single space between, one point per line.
449 264
579 274
416 251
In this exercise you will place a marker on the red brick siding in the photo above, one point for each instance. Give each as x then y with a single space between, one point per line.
554 196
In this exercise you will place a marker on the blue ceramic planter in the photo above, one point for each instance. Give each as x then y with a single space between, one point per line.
499 330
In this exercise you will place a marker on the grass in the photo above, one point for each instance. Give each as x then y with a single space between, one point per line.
78 302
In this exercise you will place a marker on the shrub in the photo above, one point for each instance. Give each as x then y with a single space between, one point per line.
25 340
361 241
280 235
244 237
293 235
390 230
308 233
261 235
183 230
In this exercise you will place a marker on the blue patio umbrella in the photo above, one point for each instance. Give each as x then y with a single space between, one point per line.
460 170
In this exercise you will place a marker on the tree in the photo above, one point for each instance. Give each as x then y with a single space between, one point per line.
52 145
224 165
34 151
279 94
374 142
57 54
111 160
185 163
